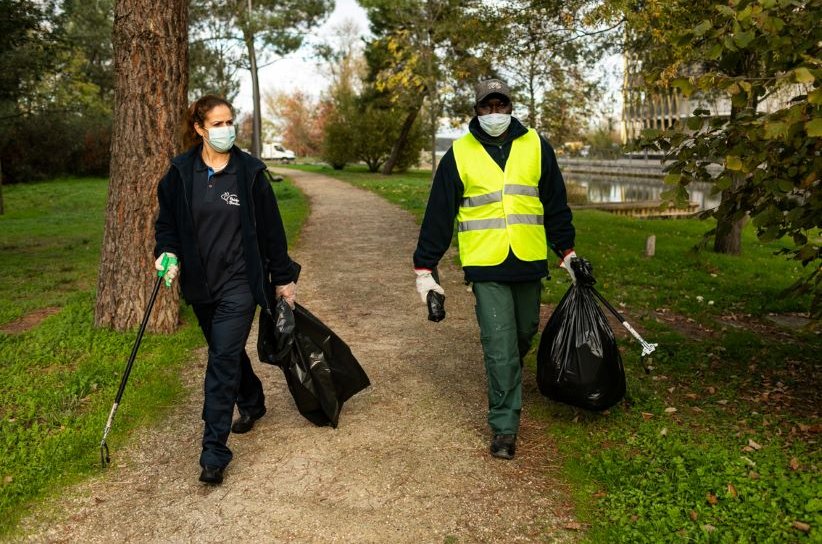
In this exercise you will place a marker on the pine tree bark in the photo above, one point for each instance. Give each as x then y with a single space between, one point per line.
150 42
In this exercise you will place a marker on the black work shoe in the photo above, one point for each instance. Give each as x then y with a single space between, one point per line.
244 423
212 475
504 446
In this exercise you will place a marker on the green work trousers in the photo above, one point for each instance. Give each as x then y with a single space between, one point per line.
508 316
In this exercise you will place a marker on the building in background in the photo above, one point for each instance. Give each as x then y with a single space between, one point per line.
642 110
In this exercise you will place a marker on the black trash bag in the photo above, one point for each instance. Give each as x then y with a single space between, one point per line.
276 335
578 362
320 370
436 306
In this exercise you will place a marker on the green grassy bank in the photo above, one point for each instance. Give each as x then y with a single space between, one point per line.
58 378
720 442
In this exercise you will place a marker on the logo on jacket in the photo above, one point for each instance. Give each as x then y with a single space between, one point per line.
230 199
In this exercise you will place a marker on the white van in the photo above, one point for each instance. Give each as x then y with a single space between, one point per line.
276 152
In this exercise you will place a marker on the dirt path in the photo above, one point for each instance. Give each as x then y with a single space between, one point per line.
409 461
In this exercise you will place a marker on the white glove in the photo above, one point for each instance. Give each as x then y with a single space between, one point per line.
426 282
566 264
170 266
288 292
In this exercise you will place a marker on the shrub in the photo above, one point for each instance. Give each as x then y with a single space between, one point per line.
43 146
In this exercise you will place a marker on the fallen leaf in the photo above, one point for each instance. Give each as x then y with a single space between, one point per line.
8 479
754 445
712 390
753 475
647 415
663 431
600 494
694 515
708 528
573 526
747 449
732 491
711 498
794 463
670 410
634 517
671 389
692 396
723 402
802 526
575 420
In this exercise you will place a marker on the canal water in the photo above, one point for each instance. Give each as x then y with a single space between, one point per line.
586 188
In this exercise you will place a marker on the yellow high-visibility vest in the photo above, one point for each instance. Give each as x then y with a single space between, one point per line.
500 209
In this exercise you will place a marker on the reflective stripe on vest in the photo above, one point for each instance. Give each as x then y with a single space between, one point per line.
500 209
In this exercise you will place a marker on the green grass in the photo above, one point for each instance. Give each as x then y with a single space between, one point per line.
737 461
58 379
54 227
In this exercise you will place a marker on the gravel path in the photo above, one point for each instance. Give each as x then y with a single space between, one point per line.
409 461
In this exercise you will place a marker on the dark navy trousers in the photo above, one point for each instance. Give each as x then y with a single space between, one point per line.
229 378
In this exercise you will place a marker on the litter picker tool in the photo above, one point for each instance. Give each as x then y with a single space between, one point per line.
647 348
104 455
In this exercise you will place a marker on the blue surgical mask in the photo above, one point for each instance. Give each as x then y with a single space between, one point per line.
495 124
221 139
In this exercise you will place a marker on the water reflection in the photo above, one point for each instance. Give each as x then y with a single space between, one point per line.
596 188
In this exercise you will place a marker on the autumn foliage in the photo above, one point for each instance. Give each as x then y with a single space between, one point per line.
298 121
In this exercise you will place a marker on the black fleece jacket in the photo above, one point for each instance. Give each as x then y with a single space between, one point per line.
264 244
444 202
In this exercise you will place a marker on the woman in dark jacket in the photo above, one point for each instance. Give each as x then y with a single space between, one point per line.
220 222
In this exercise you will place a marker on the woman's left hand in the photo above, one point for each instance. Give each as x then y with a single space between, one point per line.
288 292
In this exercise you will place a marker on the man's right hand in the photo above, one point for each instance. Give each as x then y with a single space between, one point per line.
425 283
167 267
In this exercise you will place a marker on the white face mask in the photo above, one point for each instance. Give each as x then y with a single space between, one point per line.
495 124
221 139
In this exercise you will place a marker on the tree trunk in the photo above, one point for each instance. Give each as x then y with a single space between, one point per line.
728 238
256 117
150 42
402 139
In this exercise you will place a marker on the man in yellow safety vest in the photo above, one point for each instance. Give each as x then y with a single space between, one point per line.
502 184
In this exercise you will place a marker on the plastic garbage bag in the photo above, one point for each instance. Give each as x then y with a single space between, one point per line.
436 306
578 362
320 370
276 336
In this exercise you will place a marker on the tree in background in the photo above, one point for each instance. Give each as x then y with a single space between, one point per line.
763 57
151 74
298 120
364 128
266 28
213 61
424 51
546 51
26 46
